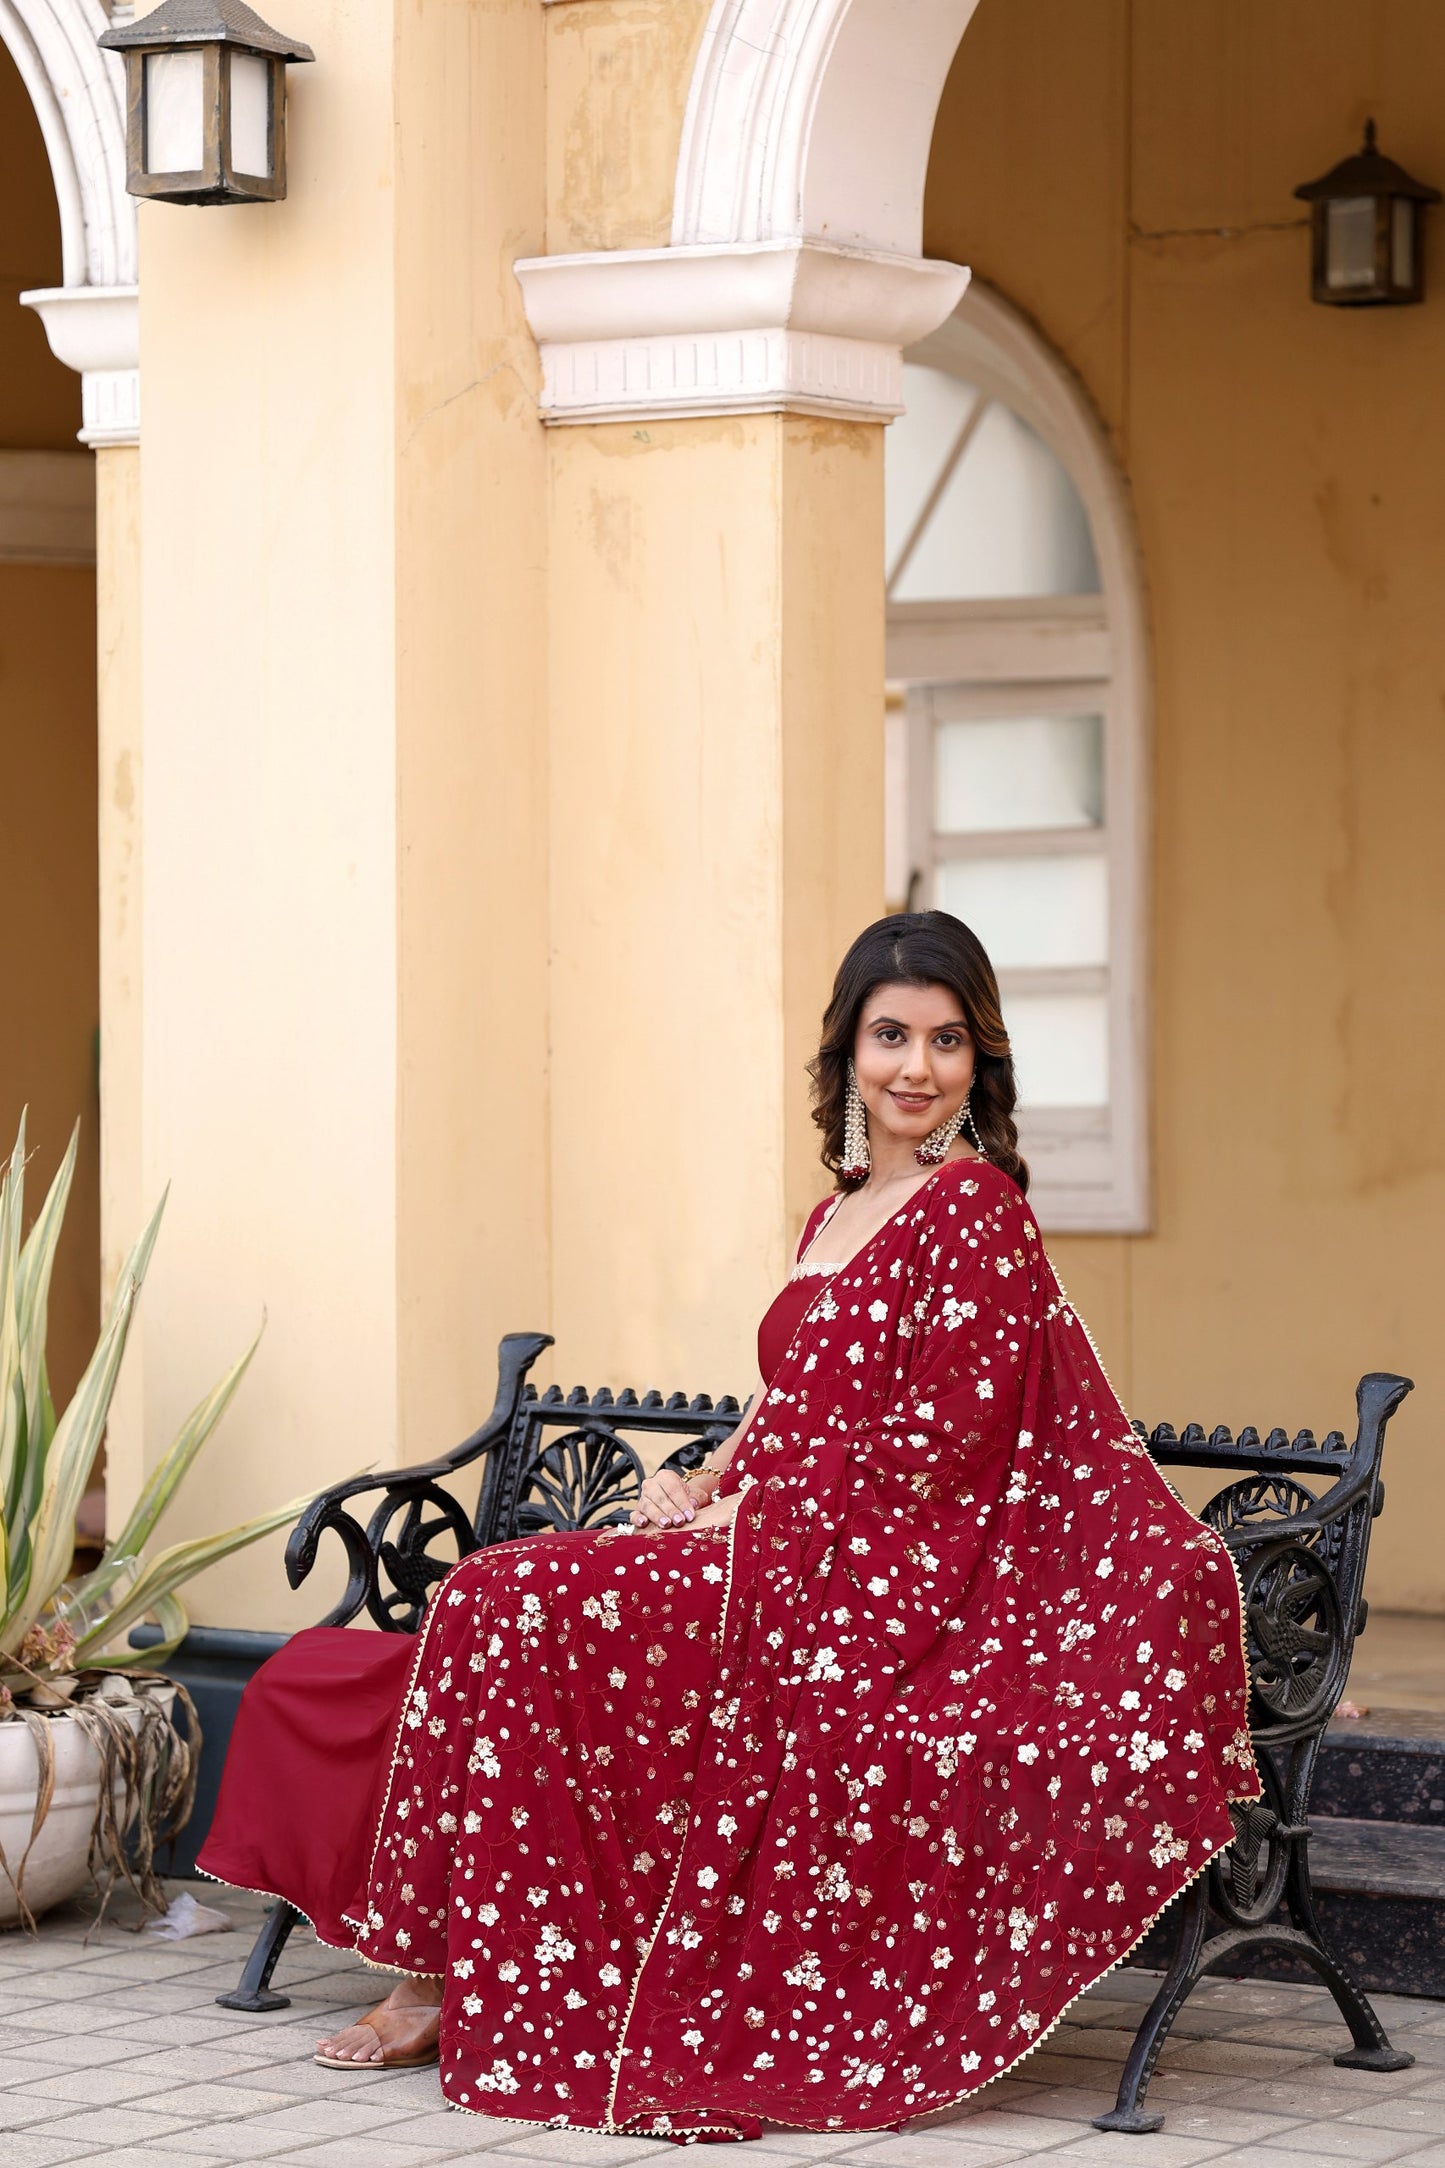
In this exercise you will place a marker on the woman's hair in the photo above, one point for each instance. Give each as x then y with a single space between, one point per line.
920 948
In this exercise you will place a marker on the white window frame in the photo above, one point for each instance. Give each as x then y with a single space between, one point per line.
1090 1167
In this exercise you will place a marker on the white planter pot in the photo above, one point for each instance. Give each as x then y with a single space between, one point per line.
59 1858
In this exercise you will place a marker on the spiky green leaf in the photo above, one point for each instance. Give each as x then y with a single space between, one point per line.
67 1466
37 1259
171 1616
180 1563
166 1479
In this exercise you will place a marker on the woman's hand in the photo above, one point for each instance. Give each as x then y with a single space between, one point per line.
668 1501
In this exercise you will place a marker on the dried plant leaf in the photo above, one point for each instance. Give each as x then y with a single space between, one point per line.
147 1789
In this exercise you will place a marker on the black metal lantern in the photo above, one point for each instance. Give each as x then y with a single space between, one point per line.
205 102
1365 220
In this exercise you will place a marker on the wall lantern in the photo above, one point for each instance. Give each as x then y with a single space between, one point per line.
1365 218
205 102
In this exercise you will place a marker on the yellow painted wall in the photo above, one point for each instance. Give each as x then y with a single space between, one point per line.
47 748
618 73
47 847
39 396
1124 174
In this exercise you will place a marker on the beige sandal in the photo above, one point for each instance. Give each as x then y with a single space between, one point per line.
422 2061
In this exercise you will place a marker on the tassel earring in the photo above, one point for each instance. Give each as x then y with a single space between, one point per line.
857 1159
934 1148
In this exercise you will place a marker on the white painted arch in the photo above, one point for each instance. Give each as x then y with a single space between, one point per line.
78 92
812 120
795 274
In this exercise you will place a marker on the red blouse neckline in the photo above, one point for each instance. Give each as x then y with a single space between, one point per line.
841 1264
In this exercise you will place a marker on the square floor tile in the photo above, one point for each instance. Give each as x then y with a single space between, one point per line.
110 2086
102 2127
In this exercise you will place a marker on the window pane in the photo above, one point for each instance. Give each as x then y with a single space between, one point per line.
1010 522
1026 771
916 445
1060 1048
1049 912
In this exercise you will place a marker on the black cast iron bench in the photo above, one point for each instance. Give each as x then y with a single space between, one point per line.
557 1460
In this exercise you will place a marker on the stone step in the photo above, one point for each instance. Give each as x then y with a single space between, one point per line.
1386 1766
1380 1894
1380 1891
1377 1859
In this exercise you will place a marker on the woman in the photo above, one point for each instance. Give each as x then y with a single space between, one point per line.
818 1793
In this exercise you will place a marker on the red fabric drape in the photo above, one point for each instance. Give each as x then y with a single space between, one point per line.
825 1822
305 1770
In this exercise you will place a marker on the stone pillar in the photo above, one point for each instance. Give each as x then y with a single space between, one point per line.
342 632
93 327
733 219
716 694
124 1205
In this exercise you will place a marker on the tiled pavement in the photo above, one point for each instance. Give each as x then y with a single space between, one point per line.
113 2051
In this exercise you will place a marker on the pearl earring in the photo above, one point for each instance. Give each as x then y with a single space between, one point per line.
857 1159
932 1151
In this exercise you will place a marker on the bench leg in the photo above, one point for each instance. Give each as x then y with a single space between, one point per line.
1371 2049
253 1991
1128 2112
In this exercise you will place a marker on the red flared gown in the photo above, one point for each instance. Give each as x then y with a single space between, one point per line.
824 1818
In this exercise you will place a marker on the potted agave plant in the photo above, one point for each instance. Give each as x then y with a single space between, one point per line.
94 1772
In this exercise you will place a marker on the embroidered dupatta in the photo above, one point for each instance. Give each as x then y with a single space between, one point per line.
980 1708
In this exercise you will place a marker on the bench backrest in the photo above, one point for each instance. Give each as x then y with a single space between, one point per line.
555 1460
1300 1547
1296 1513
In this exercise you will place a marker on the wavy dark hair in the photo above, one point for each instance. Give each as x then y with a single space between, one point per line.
920 948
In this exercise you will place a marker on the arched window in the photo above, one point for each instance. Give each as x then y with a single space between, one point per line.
1018 730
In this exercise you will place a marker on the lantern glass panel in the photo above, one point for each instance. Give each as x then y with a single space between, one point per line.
250 114
1350 243
175 112
1402 243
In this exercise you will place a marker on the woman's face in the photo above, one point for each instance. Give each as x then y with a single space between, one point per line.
914 1059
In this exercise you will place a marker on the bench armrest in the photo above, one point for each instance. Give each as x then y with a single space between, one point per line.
414 1493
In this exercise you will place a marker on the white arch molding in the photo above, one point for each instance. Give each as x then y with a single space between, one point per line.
93 319
795 276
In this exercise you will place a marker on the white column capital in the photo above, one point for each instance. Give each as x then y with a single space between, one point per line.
791 326
96 330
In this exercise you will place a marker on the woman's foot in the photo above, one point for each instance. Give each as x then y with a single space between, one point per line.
400 2033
